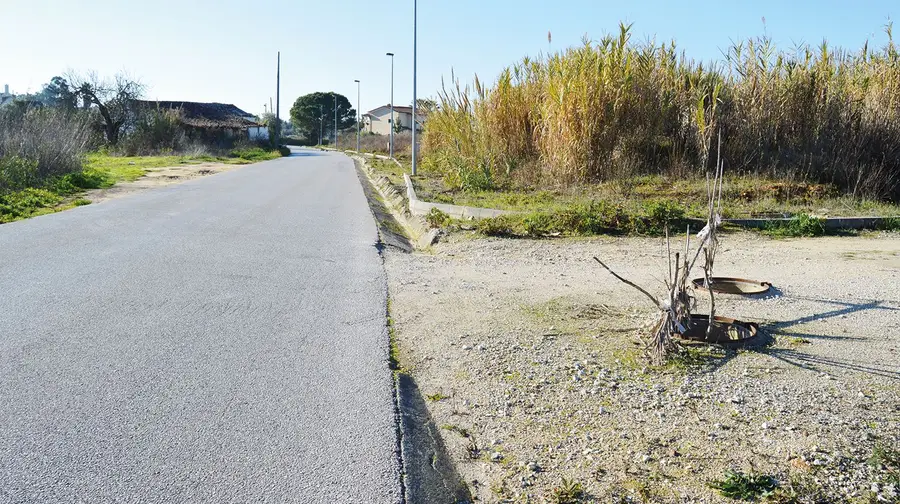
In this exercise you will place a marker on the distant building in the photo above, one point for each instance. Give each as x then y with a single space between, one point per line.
379 120
209 120
6 96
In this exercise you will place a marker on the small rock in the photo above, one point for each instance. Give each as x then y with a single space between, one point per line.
496 457
766 426
467 347
646 458
534 467
737 400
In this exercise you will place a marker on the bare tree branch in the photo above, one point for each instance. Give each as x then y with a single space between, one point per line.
632 284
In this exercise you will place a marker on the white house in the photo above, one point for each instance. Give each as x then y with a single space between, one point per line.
379 121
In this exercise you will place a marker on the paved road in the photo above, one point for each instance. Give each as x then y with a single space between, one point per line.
222 340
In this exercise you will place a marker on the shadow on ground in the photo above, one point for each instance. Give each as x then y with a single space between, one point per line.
431 476
812 362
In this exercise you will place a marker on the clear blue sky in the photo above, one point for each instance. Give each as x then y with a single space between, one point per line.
224 50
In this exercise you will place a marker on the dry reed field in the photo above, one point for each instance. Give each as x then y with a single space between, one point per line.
616 108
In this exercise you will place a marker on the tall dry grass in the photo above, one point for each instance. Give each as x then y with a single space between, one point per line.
38 144
615 108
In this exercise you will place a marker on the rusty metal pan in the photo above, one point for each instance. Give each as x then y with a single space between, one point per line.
728 285
726 331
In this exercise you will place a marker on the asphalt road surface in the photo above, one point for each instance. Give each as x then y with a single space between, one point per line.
221 340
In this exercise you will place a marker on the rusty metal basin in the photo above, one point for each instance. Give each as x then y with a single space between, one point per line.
728 285
726 331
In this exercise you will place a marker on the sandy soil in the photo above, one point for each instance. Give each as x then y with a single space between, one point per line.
528 354
158 177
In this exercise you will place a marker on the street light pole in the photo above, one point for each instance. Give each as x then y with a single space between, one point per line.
357 114
392 104
278 104
415 122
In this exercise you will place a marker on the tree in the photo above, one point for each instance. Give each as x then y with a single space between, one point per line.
113 98
57 93
271 121
305 114
425 106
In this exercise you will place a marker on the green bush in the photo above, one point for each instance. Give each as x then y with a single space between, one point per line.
738 485
284 150
799 226
252 154
38 144
437 219
538 224
25 203
154 131
496 226
17 173
659 215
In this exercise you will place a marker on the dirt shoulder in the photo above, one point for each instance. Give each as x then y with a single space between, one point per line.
526 352
158 177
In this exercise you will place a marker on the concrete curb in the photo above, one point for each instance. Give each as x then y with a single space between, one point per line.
833 223
420 233
419 207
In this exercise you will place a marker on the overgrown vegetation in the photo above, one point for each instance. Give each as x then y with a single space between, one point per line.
615 109
46 156
596 217
745 486
800 225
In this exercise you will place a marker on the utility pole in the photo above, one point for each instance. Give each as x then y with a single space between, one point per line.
393 119
357 114
278 103
415 120
335 120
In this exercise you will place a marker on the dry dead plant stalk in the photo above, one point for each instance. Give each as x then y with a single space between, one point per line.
675 309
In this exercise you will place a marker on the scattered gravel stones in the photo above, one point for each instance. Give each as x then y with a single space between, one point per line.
579 400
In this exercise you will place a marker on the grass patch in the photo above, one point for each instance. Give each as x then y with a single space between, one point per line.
585 219
802 225
256 154
568 492
749 487
439 396
644 205
26 203
101 171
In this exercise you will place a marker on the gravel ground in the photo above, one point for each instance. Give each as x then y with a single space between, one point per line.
528 354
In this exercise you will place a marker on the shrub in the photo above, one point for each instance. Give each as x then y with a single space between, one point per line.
437 219
661 215
752 486
497 226
154 131
27 202
537 224
38 144
799 225
284 150
17 173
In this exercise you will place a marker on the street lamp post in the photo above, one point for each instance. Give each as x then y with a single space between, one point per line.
415 122
357 113
392 104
